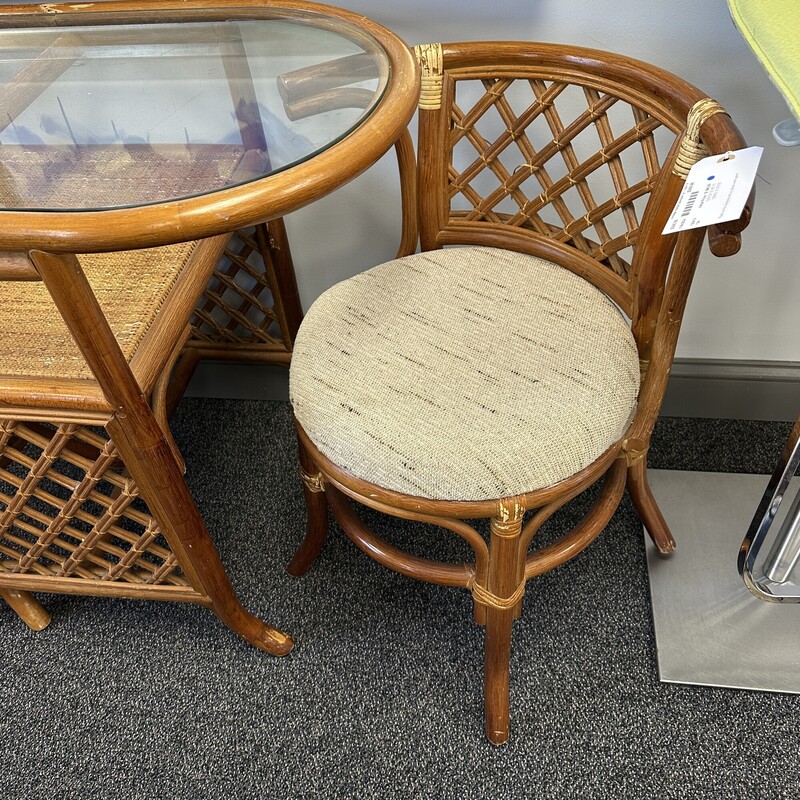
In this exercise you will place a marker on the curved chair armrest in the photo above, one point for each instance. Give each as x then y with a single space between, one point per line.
320 78
327 86
724 239
327 100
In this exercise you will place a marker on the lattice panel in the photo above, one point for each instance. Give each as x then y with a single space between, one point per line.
566 161
238 305
68 510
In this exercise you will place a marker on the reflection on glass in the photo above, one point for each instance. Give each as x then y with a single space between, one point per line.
121 115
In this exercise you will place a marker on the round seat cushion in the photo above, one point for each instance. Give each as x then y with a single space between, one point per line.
464 374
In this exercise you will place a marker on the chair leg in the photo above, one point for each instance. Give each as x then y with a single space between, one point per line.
500 598
497 654
317 510
647 507
27 608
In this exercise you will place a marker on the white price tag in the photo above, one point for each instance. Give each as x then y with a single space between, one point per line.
716 190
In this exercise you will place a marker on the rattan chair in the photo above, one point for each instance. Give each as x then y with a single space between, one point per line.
92 495
524 354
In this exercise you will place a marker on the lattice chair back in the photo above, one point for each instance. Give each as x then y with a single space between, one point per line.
559 152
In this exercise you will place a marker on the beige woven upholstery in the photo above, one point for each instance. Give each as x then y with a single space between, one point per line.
130 288
464 374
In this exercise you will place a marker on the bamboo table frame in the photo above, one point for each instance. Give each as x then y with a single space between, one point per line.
42 245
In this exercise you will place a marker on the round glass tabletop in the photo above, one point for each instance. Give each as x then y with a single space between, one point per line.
113 116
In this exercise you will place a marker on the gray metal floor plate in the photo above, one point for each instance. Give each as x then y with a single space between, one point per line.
709 629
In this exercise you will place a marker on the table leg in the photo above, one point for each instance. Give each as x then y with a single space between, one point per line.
27 608
146 452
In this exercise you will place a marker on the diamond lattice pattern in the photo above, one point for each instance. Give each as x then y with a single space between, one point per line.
69 510
567 161
238 305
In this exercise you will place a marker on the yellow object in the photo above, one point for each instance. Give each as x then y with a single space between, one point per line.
772 29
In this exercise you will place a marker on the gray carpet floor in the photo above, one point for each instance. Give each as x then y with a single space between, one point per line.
382 696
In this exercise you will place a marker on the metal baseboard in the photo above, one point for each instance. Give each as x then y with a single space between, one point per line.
233 380
709 629
726 389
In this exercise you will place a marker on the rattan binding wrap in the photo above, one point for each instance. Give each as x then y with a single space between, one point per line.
692 149
430 61
486 598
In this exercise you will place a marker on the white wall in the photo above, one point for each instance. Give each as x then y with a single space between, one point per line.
744 307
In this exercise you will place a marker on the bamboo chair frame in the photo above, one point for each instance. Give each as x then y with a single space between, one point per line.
650 287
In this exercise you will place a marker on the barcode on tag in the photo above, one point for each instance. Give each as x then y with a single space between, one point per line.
715 190
690 203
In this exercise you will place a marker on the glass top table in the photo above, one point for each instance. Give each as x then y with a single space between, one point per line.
135 124
129 125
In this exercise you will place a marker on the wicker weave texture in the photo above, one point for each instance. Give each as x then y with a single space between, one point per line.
567 161
130 287
68 510
464 374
